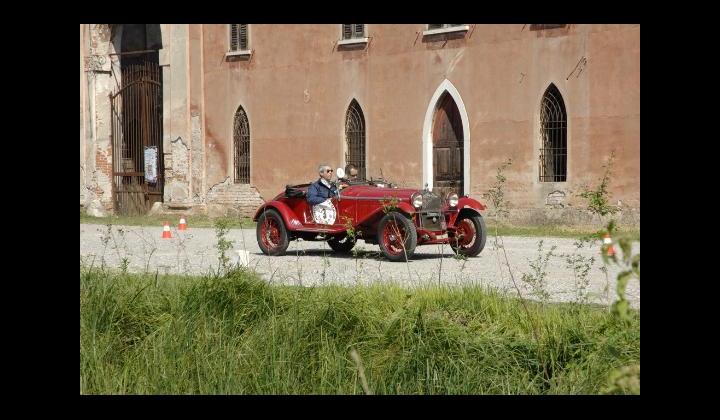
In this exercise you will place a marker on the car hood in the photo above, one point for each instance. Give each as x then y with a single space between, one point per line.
365 191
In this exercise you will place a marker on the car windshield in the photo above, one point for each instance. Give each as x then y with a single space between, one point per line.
382 183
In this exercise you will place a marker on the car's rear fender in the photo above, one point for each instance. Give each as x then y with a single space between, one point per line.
291 221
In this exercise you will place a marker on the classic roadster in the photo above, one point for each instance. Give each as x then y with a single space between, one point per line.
397 219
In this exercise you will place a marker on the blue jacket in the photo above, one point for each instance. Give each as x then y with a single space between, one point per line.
318 192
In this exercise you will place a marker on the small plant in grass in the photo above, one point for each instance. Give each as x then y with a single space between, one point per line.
120 246
598 198
581 266
361 371
124 265
536 278
183 263
298 253
105 240
123 244
606 290
500 209
598 203
223 244
149 246
325 265
457 256
625 380
501 206
354 235
628 263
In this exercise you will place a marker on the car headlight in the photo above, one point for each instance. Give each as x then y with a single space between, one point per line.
452 199
416 200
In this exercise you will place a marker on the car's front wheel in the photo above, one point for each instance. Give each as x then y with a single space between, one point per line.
397 237
343 245
470 236
271 233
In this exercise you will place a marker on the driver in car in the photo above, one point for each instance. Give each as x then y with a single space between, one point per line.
322 189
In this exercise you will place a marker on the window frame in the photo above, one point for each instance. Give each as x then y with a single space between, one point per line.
353 40
239 52
445 29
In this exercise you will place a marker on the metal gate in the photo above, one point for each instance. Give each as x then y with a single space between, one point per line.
553 154
241 138
136 136
447 148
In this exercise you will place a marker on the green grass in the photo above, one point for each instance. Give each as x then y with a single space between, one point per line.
196 221
238 335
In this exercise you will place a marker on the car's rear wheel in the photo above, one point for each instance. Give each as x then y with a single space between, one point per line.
470 236
397 237
272 235
343 245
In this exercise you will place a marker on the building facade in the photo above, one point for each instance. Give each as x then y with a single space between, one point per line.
230 114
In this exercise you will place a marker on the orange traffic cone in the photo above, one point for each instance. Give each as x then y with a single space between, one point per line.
608 241
166 231
182 225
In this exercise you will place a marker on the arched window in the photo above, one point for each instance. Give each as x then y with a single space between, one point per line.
241 136
355 137
553 126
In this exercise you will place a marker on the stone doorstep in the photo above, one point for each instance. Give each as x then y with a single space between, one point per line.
178 206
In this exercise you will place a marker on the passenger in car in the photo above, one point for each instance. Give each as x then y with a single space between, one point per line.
351 172
351 175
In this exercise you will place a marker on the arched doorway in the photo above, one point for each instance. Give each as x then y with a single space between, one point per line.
136 122
453 118
448 154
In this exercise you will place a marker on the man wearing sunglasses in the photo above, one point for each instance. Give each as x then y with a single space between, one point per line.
322 189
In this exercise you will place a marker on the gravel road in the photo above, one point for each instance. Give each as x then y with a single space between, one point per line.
314 263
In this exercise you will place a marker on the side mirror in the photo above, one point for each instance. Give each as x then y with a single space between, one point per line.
340 172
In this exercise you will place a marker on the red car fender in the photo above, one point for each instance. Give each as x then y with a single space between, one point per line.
406 208
291 221
466 206
402 207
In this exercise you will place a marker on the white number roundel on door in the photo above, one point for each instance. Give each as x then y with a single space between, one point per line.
324 213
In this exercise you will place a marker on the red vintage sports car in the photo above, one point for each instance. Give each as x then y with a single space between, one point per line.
397 219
